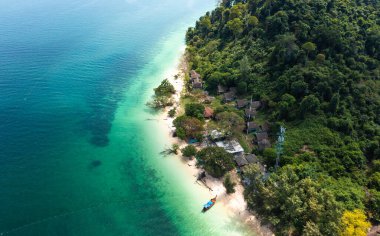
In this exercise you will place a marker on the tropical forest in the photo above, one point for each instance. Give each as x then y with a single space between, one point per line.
315 67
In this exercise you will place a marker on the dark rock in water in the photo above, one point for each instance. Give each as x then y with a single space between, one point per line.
95 163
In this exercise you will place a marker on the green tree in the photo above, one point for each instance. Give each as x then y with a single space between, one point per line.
294 205
245 67
188 127
286 105
229 184
309 47
164 89
374 181
253 21
230 122
194 110
373 204
189 151
242 88
334 103
215 160
172 112
310 104
235 26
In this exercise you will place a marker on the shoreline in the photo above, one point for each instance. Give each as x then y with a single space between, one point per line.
233 205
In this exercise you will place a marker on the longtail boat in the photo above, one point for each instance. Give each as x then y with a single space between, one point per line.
209 204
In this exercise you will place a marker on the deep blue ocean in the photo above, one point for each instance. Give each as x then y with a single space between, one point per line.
77 154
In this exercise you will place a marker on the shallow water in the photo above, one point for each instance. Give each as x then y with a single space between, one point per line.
77 153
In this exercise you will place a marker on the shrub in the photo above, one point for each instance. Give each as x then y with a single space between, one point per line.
215 160
229 184
189 151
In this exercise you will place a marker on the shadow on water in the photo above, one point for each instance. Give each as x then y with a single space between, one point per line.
94 164
99 121
107 91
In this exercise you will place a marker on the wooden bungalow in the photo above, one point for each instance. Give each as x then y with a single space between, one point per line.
228 97
195 80
262 141
265 127
241 160
233 90
263 144
194 75
252 127
208 113
221 89
261 136
255 105
241 103
231 146
250 113
252 159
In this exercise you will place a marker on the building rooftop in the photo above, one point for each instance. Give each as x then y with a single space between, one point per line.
250 112
221 89
215 134
241 161
252 125
261 136
263 144
230 146
208 112
194 75
230 96
241 103
256 104
251 158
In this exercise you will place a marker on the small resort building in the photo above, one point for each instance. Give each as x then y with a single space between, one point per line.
262 141
221 89
250 113
228 97
231 146
255 105
264 144
195 80
216 135
241 103
252 127
241 160
208 112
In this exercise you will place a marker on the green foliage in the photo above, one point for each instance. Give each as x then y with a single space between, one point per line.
293 204
188 127
189 151
374 181
172 112
310 104
230 122
215 160
242 88
316 67
164 89
235 26
373 204
175 148
162 95
194 110
229 184
253 21
309 47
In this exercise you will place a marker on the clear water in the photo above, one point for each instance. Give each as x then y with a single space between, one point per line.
77 153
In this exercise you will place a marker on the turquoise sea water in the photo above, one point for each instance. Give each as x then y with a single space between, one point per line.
78 155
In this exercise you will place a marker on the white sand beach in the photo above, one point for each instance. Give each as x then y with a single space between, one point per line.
232 206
